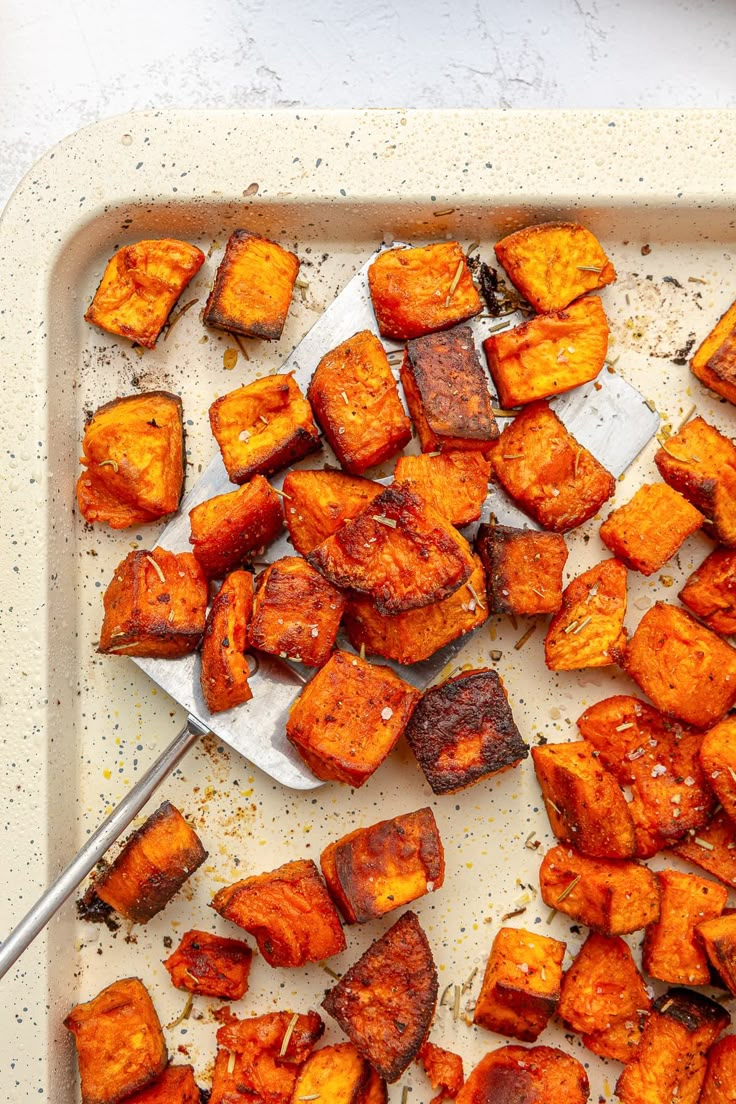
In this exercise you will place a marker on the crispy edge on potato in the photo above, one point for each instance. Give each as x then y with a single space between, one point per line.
296 612
210 965
455 483
259 1058
523 569
700 463
671 950
719 1086
714 361
611 896
718 760
552 263
224 667
444 1070
521 984
321 501
532 1075
648 530
231 528
253 287
588 629
710 592
603 987
417 291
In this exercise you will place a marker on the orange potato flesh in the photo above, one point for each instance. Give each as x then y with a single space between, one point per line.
253 287
611 896
618 1041
603 987
320 502
588 629
553 263
700 463
714 362
140 285
672 951
417 291
224 669
444 1070
647 531
719 1086
336 1074
210 965
523 569
252 1062
718 760
710 592
296 613
532 1075
712 848
521 985
176 1085
231 528
454 483
718 937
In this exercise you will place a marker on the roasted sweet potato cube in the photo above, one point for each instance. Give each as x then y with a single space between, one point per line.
253 287
687 671
455 483
356 402
611 896
140 285
553 263
717 936
210 965
399 551
288 911
463 730
670 1062
336 1074
602 987
153 865
712 848
444 1070
719 1086
553 478
417 634
120 1044
672 951
534 1075
263 427
523 569
320 502
417 291
155 605
714 362
372 871
521 985
176 1085
700 463
585 804
231 528
647 531
618 1041
258 1060
718 760
385 1002
224 670
348 718
296 613
588 629
710 592
133 454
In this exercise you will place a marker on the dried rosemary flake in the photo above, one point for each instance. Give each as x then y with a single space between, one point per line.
439 214
539 592
455 281
623 727
469 980
498 412
302 282
241 345
474 592
576 463
445 992
332 973
680 459
112 463
362 651
530 843
590 268
568 889
556 808
231 1062
551 915
732 772
287 1035
184 1014
703 843
282 494
345 398
687 417
696 280
472 248
667 1004
229 359
157 568
171 616
512 455
569 628
312 1096
389 522
456 1005
581 626
523 639
177 315
515 912
499 326
404 1094
263 419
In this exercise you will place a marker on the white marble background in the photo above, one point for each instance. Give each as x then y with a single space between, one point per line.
65 63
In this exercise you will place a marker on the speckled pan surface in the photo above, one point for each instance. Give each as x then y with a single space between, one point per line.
79 727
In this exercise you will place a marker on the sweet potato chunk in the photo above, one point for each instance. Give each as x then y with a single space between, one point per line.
532 1075
140 285
714 362
718 937
553 478
133 453
176 1085
700 463
523 569
210 965
296 613
258 1059
444 1070
417 291
463 730
348 718
356 402
385 1002
335 1074
710 592
672 951
687 671
155 605
647 531
263 427
231 528
712 848
521 985
719 1086
611 896
253 287
224 671
455 483
585 805
553 263
372 871
588 629
718 760
153 865
320 502
399 551
120 1044
288 911
620 1040
603 987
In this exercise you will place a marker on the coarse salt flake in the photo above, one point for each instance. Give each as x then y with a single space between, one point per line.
387 714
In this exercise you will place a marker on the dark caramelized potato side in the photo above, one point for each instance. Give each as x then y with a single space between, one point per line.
320 502
356 402
140 285
611 896
288 911
263 427
258 1060
210 965
337 1074
296 613
155 605
647 531
588 629
133 453
552 478
454 483
349 717
444 1070
253 287
120 1044
700 463
385 1002
176 1085
602 987
154 864
372 871
714 362
553 263
718 760
672 951
710 592
719 1086
523 569
717 936
231 528
224 669
712 848
521 985
463 730
417 291
532 1075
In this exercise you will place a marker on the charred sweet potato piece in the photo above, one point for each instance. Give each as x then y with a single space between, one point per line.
700 463
463 730
687 671
399 551
553 478
714 362
620 1040
372 871
521 985
288 911
336 1074
523 569
230 528
224 670
253 287
210 965
444 1070
710 592
670 1062
588 629
553 263
258 1060
712 848
385 1002
585 805
263 427
603 987
532 1075
176 1085
719 1086
717 936
647 531
718 760
133 453
348 718
455 483
140 285
356 402
155 605
120 1044
320 502
417 291
611 896
417 634
153 865
672 951
296 613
